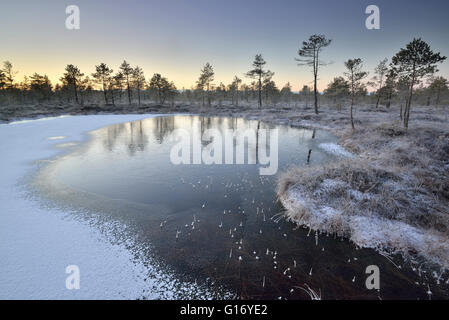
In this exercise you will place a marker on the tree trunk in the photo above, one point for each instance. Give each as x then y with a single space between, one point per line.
409 102
315 93
129 91
352 120
208 96
389 100
76 92
308 156
104 92
260 92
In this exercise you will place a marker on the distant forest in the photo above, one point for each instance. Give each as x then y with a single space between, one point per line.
409 76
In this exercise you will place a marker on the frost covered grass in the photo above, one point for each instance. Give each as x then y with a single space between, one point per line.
392 196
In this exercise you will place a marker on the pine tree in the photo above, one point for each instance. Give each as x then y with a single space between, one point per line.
9 74
127 73
40 86
72 77
438 85
380 72
355 75
310 56
2 80
235 89
117 84
258 73
337 90
138 80
102 76
205 81
159 83
416 61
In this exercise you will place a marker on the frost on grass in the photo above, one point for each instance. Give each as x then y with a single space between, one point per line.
334 148
392 197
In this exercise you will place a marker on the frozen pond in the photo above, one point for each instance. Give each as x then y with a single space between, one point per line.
216 225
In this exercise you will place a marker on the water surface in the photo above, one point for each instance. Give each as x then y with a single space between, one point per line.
217 225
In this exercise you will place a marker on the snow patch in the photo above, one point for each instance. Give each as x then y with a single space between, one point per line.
366 231
335 149
37 243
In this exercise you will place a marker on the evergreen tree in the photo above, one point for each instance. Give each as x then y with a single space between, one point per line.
438 85
72 78
40 86
310 56
205 81
355 75
258 73
127 73
380 72
102 76
9 74
416 61
138 80
337 90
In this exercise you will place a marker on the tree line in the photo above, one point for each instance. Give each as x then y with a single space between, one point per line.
411 74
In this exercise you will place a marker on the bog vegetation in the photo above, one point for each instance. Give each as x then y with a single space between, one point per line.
409 78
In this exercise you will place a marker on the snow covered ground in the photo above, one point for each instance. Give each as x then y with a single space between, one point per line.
37 243
336 149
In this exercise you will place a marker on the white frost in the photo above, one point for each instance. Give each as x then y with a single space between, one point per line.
335 149
38 243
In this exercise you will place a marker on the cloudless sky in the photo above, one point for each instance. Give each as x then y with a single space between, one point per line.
177 37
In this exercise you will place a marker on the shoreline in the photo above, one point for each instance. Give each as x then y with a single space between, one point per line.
389 163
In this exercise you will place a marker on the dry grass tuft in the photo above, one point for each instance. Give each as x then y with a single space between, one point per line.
393 196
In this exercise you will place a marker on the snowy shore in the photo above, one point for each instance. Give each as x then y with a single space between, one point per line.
37 243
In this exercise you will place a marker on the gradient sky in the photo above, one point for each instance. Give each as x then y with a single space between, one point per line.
177 37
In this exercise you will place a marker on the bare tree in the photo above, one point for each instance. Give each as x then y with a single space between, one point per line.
310 56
